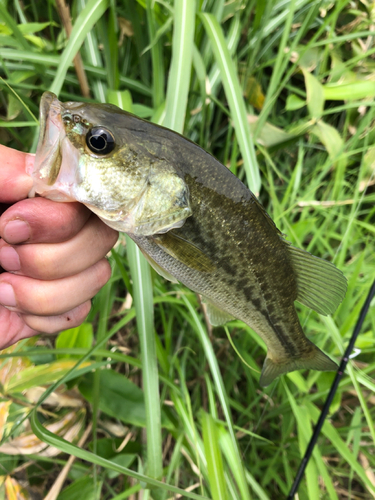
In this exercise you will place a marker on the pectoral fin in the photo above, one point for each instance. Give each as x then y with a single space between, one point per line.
184 251
320 285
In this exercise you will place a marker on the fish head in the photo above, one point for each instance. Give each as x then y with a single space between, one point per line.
92 153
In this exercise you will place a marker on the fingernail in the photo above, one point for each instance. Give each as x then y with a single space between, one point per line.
7 297
9 259
17 231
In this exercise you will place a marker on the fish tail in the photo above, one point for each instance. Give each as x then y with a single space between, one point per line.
314 360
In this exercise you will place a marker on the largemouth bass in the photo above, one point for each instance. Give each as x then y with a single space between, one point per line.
193 220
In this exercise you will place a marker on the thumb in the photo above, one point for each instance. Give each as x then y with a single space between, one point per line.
15 182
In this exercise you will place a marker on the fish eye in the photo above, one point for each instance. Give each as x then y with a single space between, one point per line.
100 140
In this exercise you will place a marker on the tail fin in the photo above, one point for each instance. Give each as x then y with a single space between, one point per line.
316 360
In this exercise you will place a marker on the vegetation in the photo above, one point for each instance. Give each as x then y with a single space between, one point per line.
282 92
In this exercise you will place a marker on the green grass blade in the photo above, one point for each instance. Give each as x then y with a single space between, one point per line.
210 355
235 465
112 47
214 459
180 69
93 58
365 409
156 56
235 99
314 95
48 437
279 65
142 295
143 300
349 91
11 23
215 371
84 22
48 60
342 449
304 434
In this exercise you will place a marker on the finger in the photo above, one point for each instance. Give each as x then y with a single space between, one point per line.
55 324
50 262
38 220
13 328
50 298
15 182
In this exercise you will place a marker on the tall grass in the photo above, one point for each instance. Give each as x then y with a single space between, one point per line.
282 94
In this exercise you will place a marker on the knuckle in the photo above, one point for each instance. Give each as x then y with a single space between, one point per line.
41 263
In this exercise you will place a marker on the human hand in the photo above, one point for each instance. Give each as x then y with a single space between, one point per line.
53 252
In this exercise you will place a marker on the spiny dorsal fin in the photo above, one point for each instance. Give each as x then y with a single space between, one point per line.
320 285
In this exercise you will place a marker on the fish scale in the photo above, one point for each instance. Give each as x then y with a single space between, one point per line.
194 221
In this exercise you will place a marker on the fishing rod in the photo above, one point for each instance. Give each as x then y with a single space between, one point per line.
332 392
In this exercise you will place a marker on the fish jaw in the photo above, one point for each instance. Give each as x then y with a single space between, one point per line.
56 160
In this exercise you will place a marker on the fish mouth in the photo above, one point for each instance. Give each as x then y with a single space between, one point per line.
48 155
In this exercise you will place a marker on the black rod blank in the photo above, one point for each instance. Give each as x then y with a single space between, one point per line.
332 392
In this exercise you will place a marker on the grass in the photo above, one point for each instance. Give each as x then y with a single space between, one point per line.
281 93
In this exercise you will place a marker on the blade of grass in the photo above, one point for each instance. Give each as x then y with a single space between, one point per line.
48 60
235 466
84 22
214 458
278 68
365 409
11 23
349 91
143 301
142 295
48 437
180 69
114 77
235 99
331 433
105 298
156 56
93 57
215 371
220 388
304 432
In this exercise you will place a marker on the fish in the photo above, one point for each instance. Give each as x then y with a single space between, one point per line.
195 222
